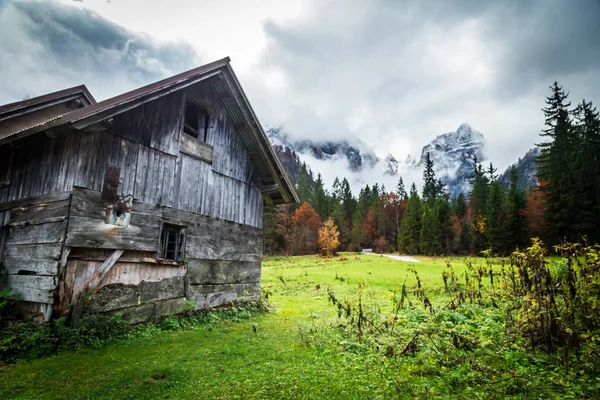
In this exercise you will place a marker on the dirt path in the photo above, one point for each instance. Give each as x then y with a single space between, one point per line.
402 258
394 257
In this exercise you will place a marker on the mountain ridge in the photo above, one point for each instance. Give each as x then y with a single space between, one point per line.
454 154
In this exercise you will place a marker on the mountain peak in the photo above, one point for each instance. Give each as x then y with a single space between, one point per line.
453 154
464 127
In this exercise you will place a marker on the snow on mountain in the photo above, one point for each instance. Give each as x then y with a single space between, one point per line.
326 150
391 165
453 153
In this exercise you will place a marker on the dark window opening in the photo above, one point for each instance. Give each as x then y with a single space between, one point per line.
196 121
172 242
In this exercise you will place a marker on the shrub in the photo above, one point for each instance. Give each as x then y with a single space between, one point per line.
381 245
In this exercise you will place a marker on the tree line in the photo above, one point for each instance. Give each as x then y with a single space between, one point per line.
565 204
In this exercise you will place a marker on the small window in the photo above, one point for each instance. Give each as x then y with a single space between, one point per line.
196 121
172 242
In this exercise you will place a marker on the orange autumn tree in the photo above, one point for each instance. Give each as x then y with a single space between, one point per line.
306 226
328 238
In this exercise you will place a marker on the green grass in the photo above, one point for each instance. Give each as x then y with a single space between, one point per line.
259 358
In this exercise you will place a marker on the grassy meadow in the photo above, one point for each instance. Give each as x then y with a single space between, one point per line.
297 349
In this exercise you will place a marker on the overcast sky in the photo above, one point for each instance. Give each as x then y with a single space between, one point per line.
392 73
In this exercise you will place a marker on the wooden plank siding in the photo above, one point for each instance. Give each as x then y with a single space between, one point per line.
33 245
217 252
144 144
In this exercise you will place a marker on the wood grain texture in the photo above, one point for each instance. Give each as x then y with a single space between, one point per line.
195 148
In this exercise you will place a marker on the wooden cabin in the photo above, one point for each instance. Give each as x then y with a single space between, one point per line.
136 203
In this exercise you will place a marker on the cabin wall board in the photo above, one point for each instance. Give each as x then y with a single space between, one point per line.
201 190
156 124
101 149
35 232
39 165
88 229
229 155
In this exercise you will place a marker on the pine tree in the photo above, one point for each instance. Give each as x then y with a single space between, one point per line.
429 236
410 228
430 187
555 164
478 208
356 235
401 191
443 214
515 203
495 226
319 199
347 199
303 187
587 125
459 205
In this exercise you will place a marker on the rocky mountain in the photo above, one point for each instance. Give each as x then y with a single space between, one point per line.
326 150
292 164
526 170
454 155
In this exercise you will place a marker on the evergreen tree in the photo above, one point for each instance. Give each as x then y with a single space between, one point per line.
319 199
515 203
443 214
459 205
356 235
587 124
303 187
401 190
430 185
347 199
555 164
429 237
495 225
410 228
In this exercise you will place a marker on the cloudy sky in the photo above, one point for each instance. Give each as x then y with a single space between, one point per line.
390 73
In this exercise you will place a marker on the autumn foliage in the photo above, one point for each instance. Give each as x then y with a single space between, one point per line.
328 238
305 232
535 214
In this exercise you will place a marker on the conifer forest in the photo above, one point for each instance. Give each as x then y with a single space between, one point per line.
494 216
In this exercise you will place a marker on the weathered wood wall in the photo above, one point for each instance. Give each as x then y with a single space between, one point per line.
222 258
144 143
34 231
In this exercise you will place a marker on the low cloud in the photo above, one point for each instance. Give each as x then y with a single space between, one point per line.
47 46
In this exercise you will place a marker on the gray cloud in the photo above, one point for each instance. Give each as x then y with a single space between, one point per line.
391 74
397 73
47 46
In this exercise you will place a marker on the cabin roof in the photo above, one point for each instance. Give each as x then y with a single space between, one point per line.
49 97
27 114
276 184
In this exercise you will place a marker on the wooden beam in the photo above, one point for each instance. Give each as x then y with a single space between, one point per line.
240 125
268 200
270 188
195 148
103 270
